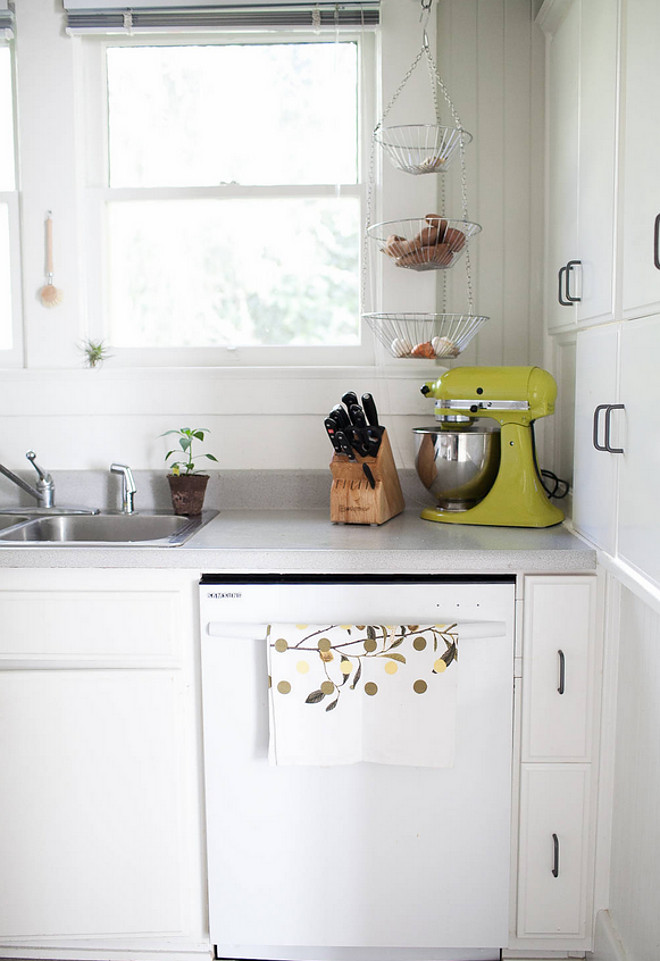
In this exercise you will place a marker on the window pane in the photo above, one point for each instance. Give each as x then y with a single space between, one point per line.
248 272
244 113
5 288
7 175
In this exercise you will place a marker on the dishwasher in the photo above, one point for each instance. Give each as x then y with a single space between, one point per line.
359 861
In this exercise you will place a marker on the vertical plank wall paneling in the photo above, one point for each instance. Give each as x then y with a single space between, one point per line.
635 868
491 55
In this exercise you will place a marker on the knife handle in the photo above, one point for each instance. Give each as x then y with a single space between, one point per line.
357 416
360 441
345 444
369 406
350 397
374 437
340 416
331 428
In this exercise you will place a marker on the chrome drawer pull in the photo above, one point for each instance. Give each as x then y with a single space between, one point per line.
562 672
555 856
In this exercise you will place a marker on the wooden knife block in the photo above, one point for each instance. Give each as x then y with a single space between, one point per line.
352 498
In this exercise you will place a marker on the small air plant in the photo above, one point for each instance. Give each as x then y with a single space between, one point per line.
95 352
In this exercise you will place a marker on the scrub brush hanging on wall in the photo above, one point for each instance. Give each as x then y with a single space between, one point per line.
434 241
49 295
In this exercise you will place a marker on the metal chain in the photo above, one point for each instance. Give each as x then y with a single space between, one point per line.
436 81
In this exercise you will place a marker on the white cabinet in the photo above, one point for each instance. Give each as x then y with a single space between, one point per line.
582 75
639 466
598 424
563 51
641 185
559 669
99 811
556 826
554 835
617 452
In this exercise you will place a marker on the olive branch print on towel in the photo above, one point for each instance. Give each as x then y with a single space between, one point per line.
341 651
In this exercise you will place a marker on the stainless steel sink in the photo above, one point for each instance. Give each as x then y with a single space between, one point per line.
150 528
10 520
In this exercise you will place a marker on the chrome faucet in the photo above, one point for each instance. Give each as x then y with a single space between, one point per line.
128 488
45 489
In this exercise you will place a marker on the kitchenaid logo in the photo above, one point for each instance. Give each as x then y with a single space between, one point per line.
223 595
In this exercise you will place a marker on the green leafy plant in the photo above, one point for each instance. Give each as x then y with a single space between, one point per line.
95 352
186 437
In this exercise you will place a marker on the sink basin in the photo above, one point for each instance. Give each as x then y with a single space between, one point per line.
159 529
10 520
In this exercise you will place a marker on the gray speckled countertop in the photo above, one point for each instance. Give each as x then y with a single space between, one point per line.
299 541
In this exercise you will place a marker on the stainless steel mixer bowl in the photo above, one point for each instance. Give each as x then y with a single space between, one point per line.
458 464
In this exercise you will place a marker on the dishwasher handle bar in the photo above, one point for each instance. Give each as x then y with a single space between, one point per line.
259 632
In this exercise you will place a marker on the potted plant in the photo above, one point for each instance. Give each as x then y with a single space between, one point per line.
187 486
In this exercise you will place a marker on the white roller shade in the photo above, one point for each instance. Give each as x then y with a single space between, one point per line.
116 16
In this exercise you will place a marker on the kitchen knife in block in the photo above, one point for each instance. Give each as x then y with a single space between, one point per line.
353 500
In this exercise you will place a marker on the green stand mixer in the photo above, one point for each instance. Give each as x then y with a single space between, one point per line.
479 460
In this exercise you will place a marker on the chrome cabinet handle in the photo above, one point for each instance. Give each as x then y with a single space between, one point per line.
566 299
562 672
608 415
597 414
656 243
560 294
569 267
555 856
607 445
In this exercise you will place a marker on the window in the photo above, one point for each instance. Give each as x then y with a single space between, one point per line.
234 204
9 293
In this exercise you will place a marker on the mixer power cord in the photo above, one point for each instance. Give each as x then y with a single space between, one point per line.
559 488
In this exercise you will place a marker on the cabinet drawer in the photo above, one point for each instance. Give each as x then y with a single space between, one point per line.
553 852
69 624
558 656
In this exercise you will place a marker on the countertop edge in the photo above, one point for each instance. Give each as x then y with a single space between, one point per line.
298 542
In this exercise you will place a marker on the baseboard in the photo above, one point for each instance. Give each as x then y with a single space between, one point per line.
607 943
112 949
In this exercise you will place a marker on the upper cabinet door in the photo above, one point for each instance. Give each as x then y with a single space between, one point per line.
597 159
582 60
641 159
563 50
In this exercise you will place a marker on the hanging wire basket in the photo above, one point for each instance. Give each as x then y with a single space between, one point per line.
425 336
421 148
430 243
427 243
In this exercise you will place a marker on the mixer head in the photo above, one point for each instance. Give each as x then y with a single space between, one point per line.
509 395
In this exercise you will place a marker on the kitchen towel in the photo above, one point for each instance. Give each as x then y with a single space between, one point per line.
340 694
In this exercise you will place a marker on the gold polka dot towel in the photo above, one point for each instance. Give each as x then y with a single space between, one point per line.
345 693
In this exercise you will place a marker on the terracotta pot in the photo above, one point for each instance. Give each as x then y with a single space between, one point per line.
188 492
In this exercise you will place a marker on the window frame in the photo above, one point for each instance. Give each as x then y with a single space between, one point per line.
14 355
98 194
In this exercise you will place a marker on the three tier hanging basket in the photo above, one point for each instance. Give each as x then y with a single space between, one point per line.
433 242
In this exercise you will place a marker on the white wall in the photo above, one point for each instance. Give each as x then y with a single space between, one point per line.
491 56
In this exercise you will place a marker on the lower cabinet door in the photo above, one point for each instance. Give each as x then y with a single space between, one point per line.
553 851
90 826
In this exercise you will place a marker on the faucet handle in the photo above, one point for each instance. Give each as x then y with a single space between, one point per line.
32 457
45 484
